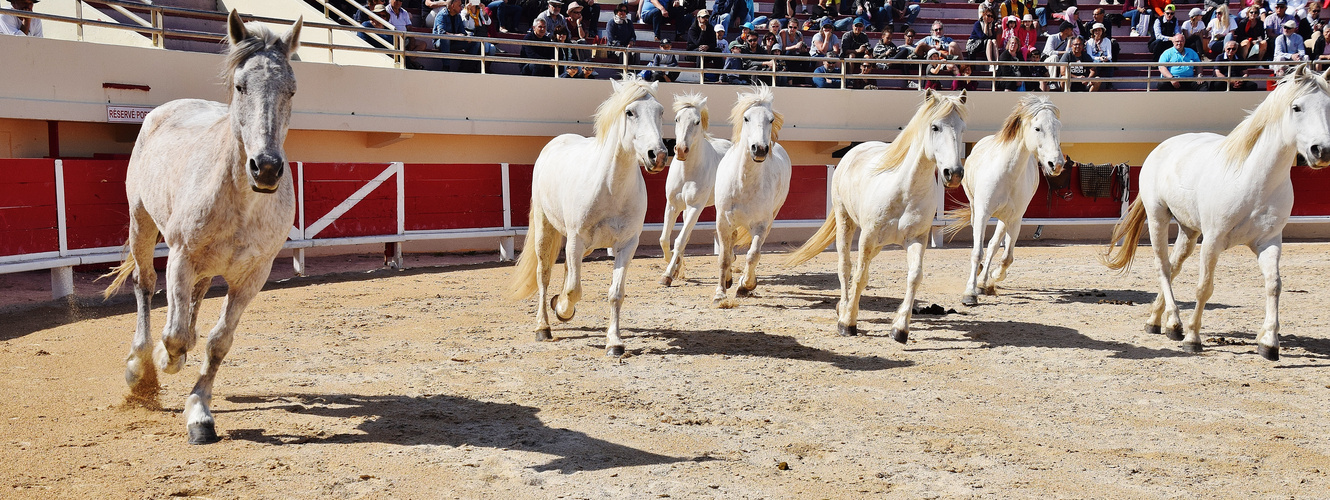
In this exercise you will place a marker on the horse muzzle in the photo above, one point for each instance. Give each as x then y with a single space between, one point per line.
1052 169
951 177
658 159
265 171
760 152
1318 156
681 153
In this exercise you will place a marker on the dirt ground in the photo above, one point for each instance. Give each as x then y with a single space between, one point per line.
425 383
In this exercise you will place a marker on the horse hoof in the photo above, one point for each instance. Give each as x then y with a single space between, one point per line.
554 306
744 292
1174 333
990 290
614 351
729 283
847 330
1153 329
666 280
165 362
1267 352
1192 348
900 335
543 335
969 300
202 433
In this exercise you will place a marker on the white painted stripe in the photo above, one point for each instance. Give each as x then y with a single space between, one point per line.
60 206
300 202
314 229
401 196
507 196
294 233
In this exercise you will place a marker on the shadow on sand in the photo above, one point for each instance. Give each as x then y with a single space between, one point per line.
760 344
1022 334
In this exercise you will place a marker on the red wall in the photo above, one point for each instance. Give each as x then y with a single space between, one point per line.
28 218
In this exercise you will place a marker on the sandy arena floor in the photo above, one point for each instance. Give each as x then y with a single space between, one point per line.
425 383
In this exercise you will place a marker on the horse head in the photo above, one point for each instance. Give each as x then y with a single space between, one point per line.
1309 116
755 123
637 114
1042 133
262 84
943 142
690 123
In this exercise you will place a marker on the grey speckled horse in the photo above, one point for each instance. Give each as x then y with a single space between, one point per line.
209 179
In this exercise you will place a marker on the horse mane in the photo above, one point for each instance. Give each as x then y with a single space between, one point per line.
631 89
758 95
929 110
1026 108
1237 146
697 101
260 39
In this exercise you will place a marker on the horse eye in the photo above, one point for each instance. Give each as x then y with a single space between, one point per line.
1297 108
697 122
935 128
630 113
745 119
240 89
1036 129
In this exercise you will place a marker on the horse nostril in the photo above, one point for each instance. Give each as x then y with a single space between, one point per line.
946 172
1316 151
651 154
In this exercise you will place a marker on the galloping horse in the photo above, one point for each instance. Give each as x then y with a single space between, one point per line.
590 190
691 184
1234 190
208 178
889 190
1000 180
752 181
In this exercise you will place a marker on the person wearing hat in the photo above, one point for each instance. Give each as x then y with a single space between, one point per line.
1274 22
1163 30
701 37
1100 49
373 41
1058 43
856 41
825 42
1198 36
1178 77
20 26
553 16
1289 47
662 60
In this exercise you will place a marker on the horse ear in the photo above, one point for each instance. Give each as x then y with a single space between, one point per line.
929 95
962 97
617 85
235 28
1301 73
654 87
292 38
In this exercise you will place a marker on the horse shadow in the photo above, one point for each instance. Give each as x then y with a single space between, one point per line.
451 421
1022 334
761 344
1114 297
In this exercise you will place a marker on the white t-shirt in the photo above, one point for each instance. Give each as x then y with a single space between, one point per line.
9 25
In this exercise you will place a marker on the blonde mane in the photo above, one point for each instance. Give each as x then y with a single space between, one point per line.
610 113
696 101
1237 146
1026 109
931 109
260 39
759 95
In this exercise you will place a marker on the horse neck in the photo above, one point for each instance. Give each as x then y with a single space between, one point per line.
1271 159
918 168
1017 154
702 154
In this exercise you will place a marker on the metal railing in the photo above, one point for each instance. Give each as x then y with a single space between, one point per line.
401 46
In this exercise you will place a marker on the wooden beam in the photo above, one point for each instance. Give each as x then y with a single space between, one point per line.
384 139
824 147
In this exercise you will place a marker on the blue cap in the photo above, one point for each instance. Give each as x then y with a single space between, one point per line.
827 22
749 26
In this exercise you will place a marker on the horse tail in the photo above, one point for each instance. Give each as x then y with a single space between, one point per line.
121 273
524 274
1127 233
960 219
824 236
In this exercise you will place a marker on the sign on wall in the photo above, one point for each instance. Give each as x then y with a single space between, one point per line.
122 113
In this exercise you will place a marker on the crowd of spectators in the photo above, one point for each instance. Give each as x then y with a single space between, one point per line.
1007 36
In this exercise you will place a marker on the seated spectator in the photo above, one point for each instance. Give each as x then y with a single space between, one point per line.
855 42
901 12
722 44
1178 77
1198 37
1274 22
451 23
1289 47
553 16
619 32
960 69
1139 16
1308 20
359 15
982 45
734 63
1220 29
1227 73
825 42
1058 43
700 36
1100 49
791 40
508 12
1322 49
885 48
372 40
20 26
1250 35
667 60
577 32
571 54
1010 53
937 71
1099 16
1163 30
906 49
435 7
588 19
537 34
658 12
398 16
1079 71
1017 8
1025 37
828 67
934 41
476 22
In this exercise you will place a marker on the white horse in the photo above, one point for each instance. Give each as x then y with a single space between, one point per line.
889 191
590 190
208 178
1000 180
1234 190
691 183
752 181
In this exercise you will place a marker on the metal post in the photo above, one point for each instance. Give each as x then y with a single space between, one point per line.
62 282
842 74
1066 75
78 12
330 40
298 261
483 61
702 67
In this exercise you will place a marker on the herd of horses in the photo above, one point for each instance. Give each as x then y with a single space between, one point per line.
209 179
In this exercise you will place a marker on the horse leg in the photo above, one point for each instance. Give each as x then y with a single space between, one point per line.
198 415
178 338
674 270
1267 341
667 229
1182 248
725 238
140 374
749 280
1013 231
565 304
868 249
978 223
1205 285
622 256
547 252
846 324
900 329
986 281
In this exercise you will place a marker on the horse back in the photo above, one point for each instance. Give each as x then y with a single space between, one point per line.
578 193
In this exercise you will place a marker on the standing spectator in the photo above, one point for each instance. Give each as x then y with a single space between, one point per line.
1227 73
1100 49
825 42
1289 47
1220 28
1163 30
538 33
1079 71
1178 77
1250 35
828 67
398 16
553 16
508 12
659 60
856 41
